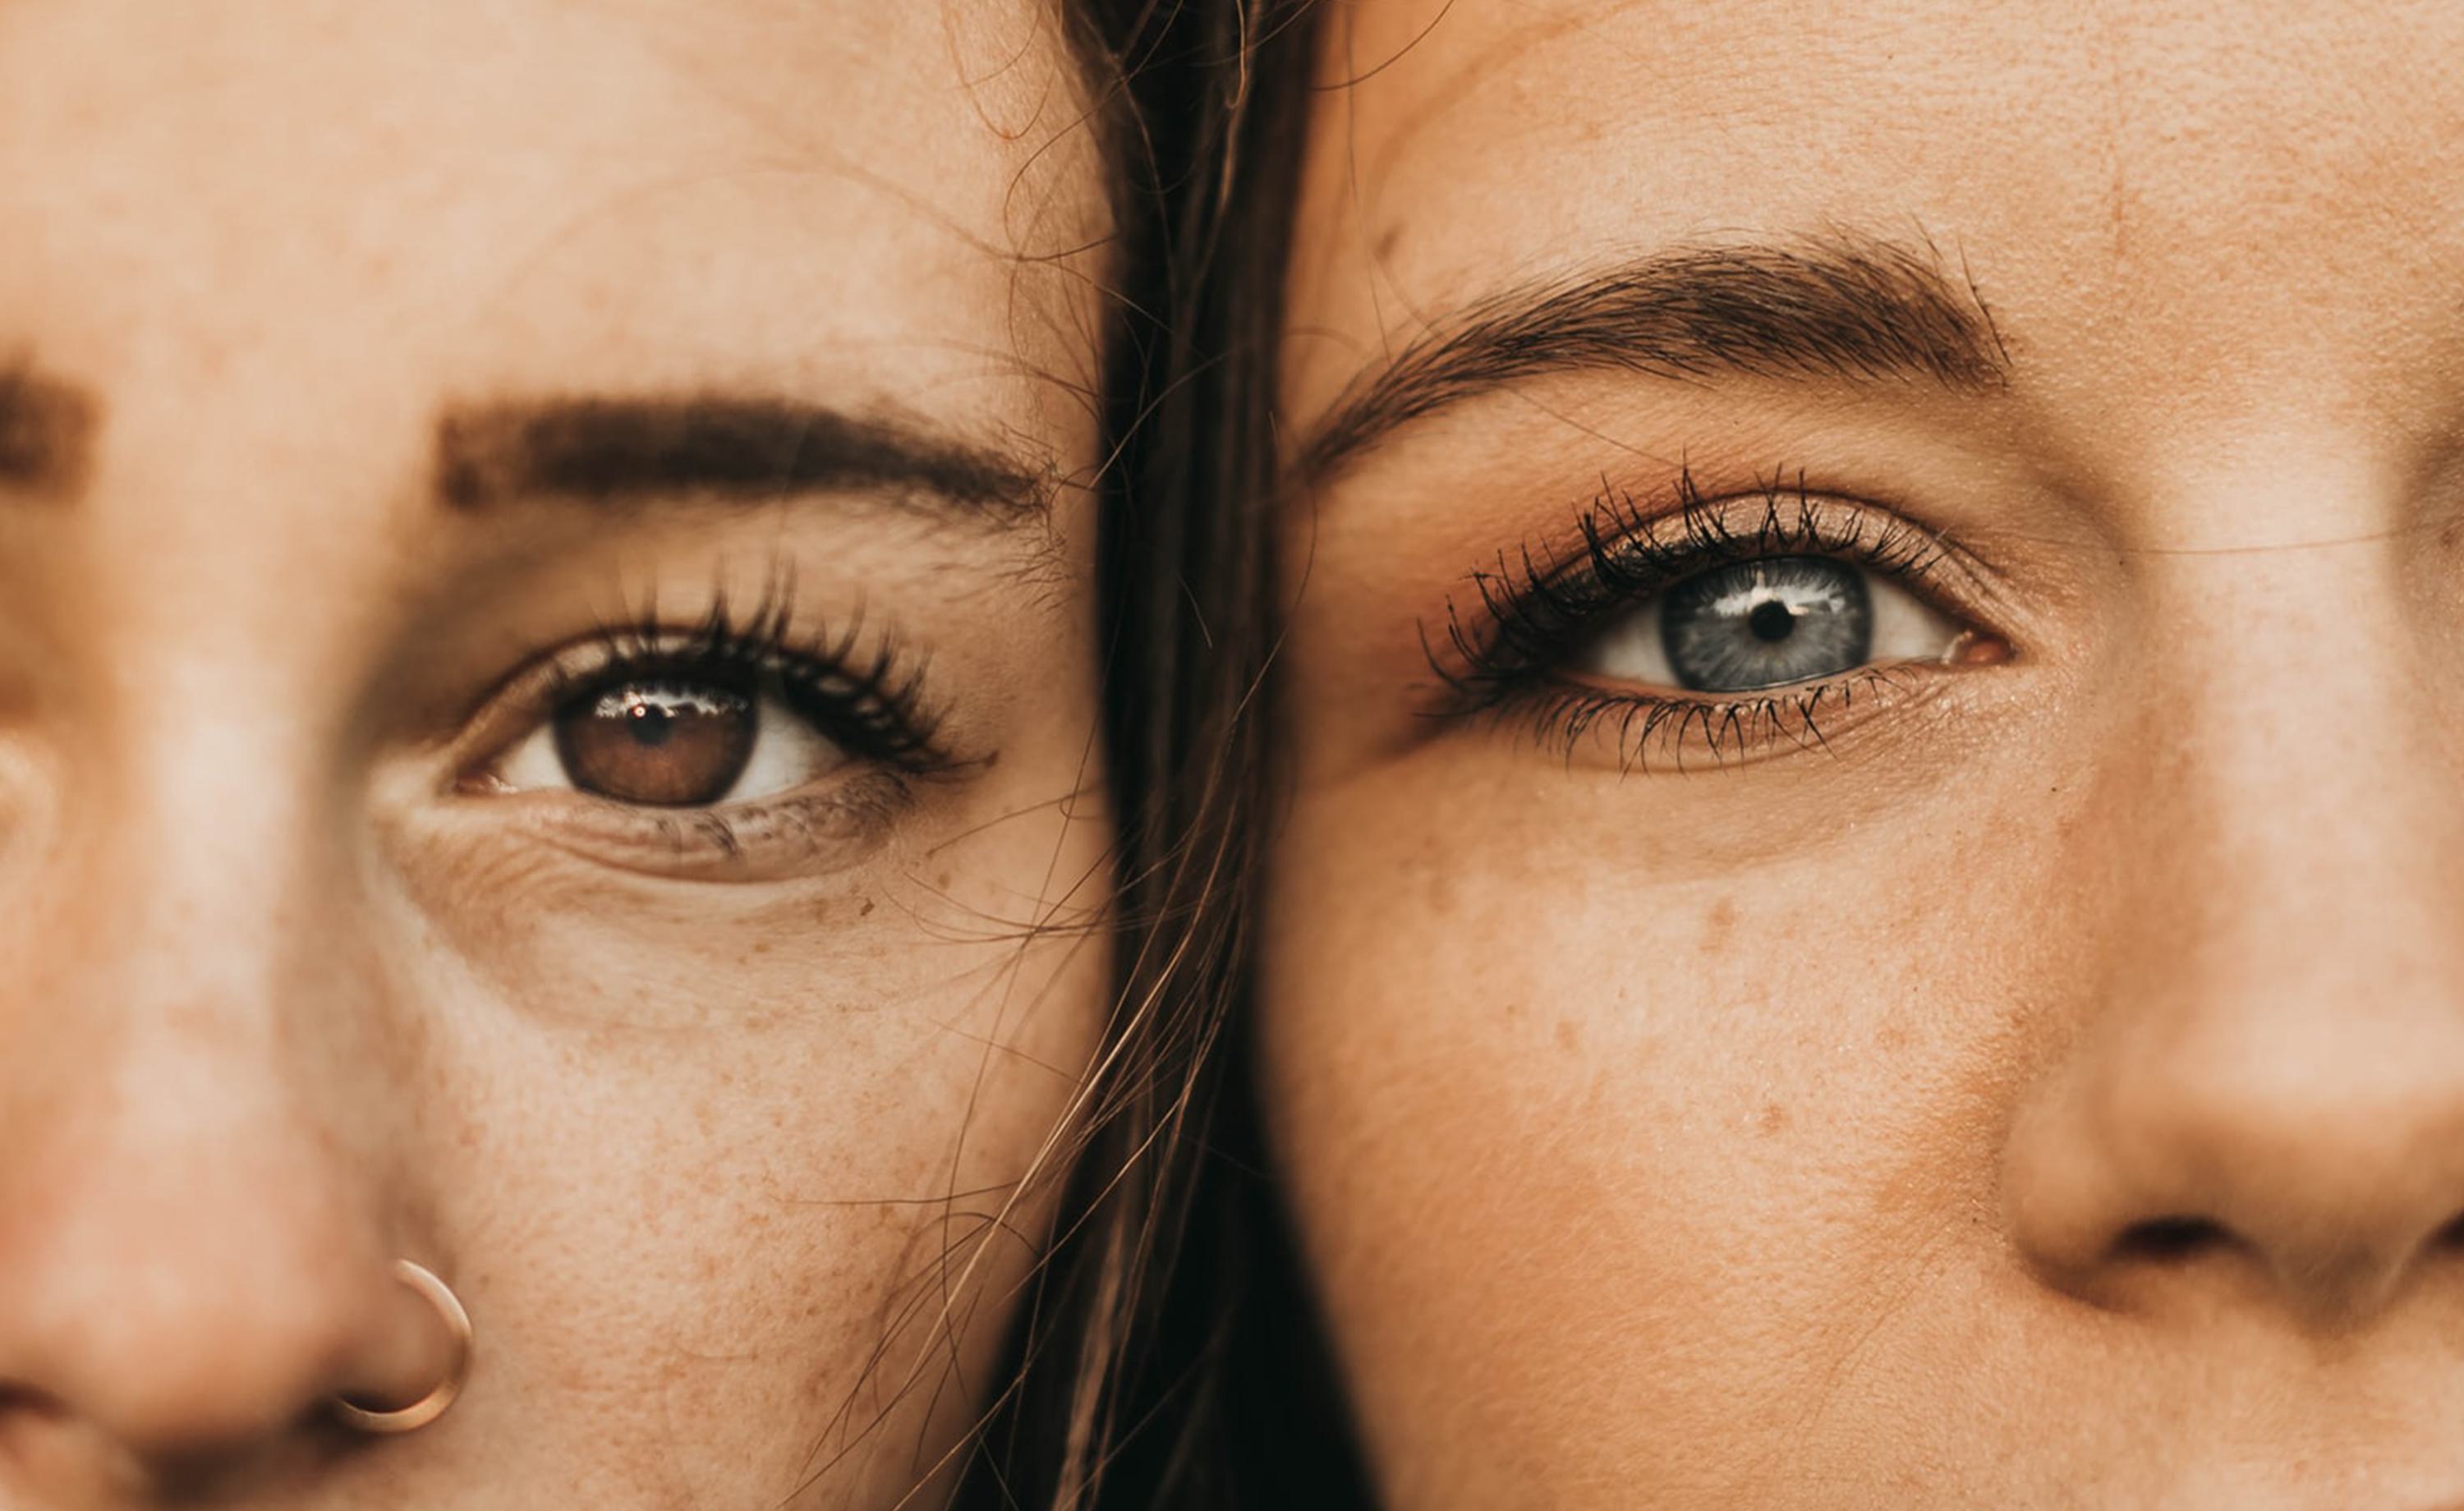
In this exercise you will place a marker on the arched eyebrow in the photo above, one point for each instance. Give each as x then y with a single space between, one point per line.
46 433
1842 309
753 449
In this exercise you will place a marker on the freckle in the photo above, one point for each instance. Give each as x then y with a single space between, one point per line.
1774 1118
1568 1037
1514 1012
1387 241
1718 925
865 912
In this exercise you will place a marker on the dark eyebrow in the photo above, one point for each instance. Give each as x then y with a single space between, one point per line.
1840 309
46 431
753 449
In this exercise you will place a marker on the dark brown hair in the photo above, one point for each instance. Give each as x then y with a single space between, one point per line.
1167 1355
1166 1310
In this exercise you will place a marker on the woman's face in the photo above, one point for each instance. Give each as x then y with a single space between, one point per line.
546 728
1869 914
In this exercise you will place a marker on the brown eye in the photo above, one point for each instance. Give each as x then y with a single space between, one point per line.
667 744
676 738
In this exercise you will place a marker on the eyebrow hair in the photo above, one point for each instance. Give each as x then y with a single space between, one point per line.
46 431
752 449
1836 308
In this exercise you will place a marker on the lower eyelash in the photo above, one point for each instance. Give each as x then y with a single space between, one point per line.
1652 732
771 835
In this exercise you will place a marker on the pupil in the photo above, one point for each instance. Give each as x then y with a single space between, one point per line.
1771 622
652 725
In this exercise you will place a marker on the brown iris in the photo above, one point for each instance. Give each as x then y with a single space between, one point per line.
673 744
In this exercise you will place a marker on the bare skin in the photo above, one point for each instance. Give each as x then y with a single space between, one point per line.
547 727
2025 1069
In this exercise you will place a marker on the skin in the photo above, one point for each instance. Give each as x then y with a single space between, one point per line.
727 1159
2048 1090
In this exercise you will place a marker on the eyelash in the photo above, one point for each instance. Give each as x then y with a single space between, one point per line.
1501 656
864 691
870 703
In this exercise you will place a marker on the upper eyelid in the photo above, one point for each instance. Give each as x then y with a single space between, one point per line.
1476 667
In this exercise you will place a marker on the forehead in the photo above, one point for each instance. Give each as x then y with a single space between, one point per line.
547 182
2116 177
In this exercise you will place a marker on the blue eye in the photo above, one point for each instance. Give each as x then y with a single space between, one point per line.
1766 624
1771 622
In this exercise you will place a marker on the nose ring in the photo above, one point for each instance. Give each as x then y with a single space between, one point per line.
432 1406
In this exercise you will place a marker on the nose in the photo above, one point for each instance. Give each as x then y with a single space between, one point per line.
193 1257
2312 1159
2261 1102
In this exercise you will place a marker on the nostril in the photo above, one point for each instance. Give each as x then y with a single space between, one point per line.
2167 1240
2450 1237
24 1399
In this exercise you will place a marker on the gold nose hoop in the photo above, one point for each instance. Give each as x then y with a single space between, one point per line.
432 1406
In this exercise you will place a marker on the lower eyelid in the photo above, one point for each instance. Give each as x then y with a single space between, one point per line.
1651 732
835 824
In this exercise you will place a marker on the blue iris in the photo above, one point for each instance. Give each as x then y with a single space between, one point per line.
1767 624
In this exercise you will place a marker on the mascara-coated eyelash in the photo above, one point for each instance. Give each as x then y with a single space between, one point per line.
750 740
867 699
1780 550
737 748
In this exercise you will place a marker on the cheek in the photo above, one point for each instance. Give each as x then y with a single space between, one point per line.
1656 1148
726 1163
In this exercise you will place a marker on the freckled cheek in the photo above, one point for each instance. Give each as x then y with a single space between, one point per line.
1520 1084
723 1230
710 1152
592 953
